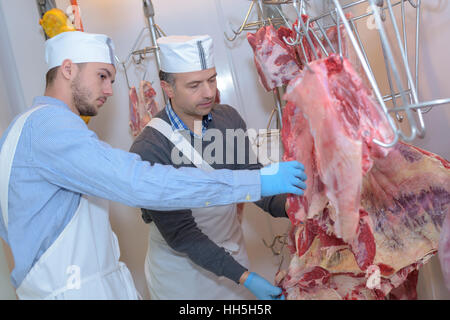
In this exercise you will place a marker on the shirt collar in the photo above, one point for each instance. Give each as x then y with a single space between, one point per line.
178 124
41 100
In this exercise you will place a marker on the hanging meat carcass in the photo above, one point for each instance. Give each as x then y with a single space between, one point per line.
142 106
370 216
275 61
373 216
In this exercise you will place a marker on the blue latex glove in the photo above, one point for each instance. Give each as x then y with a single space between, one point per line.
283 177
262 288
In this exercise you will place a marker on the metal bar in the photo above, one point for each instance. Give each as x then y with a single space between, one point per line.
420 105
319 42
338 30
414 130
388 97
391 61
349 5
325 36
277 97
149 13
236 33
391 88
370 77
361 46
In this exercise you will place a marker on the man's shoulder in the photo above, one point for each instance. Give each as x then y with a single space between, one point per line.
151 144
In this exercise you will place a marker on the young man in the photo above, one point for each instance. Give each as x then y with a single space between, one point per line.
54 170
193 254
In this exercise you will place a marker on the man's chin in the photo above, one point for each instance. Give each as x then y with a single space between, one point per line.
88 113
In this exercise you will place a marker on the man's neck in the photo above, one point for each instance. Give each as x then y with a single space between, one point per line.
58 94
190 121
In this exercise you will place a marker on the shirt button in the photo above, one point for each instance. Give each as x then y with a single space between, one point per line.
207 203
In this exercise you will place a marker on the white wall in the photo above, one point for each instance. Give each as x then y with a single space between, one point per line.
237 80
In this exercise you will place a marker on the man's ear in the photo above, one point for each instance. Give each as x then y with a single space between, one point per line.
68 69
168 89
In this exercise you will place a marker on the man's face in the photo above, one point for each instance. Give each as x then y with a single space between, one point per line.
194 92
92 86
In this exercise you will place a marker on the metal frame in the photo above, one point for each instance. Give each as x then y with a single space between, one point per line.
381 10
138 55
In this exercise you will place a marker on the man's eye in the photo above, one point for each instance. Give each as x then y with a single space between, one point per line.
102 76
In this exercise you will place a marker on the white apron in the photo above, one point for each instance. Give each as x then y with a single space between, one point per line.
172 275
83 262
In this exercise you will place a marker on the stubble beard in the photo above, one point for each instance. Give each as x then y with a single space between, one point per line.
81 96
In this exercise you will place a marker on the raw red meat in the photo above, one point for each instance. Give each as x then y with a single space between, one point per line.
343 119
370 217
147 96
275 61
134 111
142 106
405 198
444 251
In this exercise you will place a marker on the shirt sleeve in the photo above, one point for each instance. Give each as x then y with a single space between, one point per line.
66 153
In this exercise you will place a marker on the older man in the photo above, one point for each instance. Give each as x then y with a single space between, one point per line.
199 253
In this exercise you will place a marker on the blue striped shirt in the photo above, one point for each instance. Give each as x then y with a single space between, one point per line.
178 124
58 159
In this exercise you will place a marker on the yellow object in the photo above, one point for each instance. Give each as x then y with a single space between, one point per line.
55 22
86 119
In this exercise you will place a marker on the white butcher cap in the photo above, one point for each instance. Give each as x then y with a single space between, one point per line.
181 54
80 47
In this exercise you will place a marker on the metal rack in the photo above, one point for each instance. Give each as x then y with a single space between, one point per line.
138 55
403 96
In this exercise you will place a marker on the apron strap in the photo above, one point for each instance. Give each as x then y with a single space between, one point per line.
180 143
7 153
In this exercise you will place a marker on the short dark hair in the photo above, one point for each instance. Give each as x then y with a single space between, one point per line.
167 77
51 74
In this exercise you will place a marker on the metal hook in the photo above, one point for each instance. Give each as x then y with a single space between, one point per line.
243 25
281 239
414 5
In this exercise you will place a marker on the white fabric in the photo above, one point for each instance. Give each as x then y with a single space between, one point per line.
180 142
80 47
7 153
181 54
172 275
83 262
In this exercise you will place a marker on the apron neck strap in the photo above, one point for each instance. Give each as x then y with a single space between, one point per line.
180 143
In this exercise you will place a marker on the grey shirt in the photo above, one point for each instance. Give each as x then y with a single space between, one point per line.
179 228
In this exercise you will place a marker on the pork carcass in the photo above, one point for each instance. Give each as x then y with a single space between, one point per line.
275 61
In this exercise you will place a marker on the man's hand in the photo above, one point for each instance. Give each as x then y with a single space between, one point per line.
260 287
283 177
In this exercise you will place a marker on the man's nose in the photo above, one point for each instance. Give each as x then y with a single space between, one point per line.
107 89
209 90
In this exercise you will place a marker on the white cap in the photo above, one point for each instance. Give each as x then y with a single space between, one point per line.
181 54
80 47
